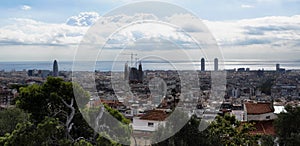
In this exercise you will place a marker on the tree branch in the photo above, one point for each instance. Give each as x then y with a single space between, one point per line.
70 117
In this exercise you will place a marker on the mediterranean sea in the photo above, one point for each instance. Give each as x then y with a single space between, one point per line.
149 65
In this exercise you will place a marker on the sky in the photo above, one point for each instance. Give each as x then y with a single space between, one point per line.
34 30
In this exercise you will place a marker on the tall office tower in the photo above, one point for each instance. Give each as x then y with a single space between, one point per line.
235 92
277 67
216 64
55 69
202 64
126 71
140 66
141 73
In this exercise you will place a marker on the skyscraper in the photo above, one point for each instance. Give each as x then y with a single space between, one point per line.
277 67
141 73
140 66
55 69
216 64
202 64
126 71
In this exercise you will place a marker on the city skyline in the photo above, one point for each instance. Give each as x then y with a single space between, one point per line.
199 65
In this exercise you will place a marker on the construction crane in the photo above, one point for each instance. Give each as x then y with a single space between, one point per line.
131 55
136 62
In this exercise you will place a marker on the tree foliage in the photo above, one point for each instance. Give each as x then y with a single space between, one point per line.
82 142
55 117
222 131
103 141
117 128
9 118
45 133
267 140
117 115
189 135
55 98
228 131
48 99
287 126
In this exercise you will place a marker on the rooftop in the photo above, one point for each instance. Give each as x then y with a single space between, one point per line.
155 115
264 127
258 108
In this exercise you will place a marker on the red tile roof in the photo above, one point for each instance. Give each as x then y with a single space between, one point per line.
108 102
154 115
263 127
258 108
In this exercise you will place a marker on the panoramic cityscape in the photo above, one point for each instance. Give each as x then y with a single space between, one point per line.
256 96
150 73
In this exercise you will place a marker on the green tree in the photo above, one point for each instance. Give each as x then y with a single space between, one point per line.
17 86
228 131
189 135
287 126
222 131
9 118
103 141
45 133
32 100
101 116
82 142
55 98
115 113
267 140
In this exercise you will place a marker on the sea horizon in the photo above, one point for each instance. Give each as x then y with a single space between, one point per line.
152 65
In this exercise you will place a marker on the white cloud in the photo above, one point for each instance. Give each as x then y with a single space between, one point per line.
26 7
31 32
188 22
149 32
273 30
247 6
270 36
83 19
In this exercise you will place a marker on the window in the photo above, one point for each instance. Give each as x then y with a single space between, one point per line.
268 117
150 124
